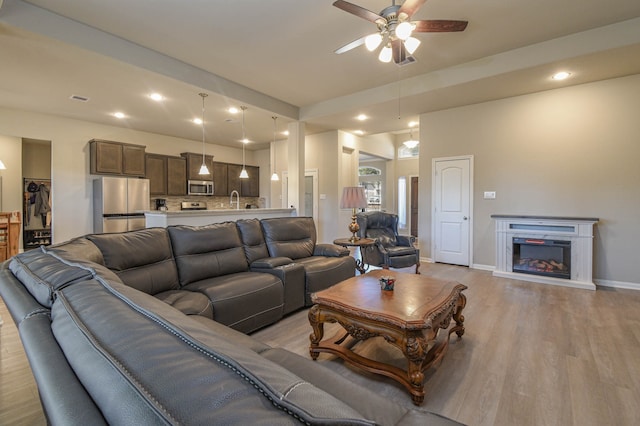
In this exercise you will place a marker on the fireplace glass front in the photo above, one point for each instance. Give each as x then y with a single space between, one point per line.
551 258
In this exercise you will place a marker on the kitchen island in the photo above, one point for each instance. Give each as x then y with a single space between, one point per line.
162 219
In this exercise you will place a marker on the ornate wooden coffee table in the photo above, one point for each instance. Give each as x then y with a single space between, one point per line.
409 318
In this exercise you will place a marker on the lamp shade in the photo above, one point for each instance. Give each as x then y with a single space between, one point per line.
353 198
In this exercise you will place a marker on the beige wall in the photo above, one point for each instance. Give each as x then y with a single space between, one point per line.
71 181
567 152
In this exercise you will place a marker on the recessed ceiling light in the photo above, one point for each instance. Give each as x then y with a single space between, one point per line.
233 110
197 120
245 140
156 97
119 114
359 132
413 123
286 133
362 117
562 75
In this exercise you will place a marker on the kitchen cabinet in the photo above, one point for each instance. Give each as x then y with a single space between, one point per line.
116 158
167 174
220 185
251 187
246 187
176 176
156 173
194 162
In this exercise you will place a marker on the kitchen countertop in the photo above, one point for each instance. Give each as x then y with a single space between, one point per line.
156 218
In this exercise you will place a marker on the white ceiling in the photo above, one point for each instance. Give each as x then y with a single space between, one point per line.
276 57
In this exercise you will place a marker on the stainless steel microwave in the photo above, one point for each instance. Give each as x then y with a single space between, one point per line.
200 187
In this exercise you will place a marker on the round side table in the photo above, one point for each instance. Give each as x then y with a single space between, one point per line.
362 242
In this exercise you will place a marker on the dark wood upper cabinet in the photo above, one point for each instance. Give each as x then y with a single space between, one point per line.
116 158
251 187
167 174
220 186
157 174
176 176
233 178
194 162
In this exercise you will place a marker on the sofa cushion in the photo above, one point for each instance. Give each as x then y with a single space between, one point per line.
187 302
42 274
207 251
142 259
179 372
293 237
255 247
77 249
244 301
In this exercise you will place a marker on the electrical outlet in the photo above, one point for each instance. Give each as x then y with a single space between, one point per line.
489 195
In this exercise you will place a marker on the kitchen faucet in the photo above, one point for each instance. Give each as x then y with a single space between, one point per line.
237 198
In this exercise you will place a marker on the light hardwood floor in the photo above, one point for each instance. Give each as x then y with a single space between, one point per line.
532 354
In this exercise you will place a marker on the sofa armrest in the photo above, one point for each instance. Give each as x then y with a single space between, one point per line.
330 250
270 262
292 276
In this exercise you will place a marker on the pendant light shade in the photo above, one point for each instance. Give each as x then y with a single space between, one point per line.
204 170
274 176
243 173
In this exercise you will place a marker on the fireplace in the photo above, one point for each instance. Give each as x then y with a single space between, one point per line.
544 249
537 256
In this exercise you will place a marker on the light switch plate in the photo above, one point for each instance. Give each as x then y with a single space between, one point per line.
489 195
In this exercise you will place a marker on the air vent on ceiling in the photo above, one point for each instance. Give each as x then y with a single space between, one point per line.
79 98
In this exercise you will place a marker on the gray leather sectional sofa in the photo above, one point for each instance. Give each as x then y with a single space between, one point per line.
144 327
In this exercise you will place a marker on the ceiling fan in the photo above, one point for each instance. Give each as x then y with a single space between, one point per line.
394 30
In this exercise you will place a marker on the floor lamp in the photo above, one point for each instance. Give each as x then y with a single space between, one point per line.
353 198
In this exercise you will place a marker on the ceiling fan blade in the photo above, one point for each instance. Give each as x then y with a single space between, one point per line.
352 45
439 26
359 11
408 8
399 52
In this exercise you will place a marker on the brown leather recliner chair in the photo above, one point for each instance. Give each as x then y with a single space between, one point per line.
390 250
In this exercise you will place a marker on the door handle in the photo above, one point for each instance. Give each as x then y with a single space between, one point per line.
464 218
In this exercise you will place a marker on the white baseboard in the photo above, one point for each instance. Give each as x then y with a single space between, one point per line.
483 267
617 284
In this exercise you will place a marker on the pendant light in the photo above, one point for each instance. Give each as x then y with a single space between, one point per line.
274 176
243 173
204 170
411 143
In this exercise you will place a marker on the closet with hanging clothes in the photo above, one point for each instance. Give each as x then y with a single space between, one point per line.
36 213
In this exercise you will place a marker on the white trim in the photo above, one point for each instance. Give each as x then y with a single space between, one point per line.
617 284
481 267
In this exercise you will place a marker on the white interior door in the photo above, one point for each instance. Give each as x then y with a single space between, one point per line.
452 203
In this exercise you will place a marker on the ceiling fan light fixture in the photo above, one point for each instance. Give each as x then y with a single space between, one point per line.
411 44
386 54
404 30
372 41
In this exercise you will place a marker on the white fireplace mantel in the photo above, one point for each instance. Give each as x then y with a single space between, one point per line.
575 229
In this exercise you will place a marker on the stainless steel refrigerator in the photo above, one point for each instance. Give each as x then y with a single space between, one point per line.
119 203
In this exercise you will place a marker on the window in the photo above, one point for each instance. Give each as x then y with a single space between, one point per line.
402 202
372 186
406 152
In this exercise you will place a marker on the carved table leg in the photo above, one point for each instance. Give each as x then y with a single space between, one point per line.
318 331
415 350
458 317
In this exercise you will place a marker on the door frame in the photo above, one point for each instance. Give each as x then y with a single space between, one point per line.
433 203
316 197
